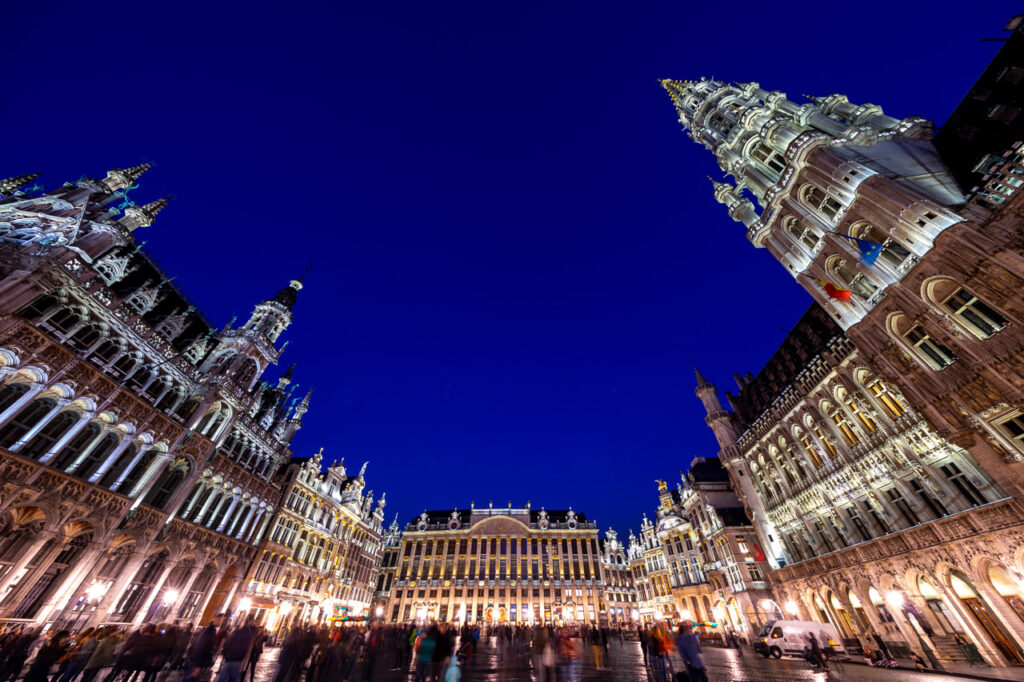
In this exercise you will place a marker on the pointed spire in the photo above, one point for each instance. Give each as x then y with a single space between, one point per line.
701 381
287 296
119 178
10 185
286 378
143 216
362 471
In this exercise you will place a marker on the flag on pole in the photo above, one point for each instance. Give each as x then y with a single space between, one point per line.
838 293
869 250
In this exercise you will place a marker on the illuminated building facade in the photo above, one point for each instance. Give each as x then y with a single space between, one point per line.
499 565
137 441
879 453
619 592
319 559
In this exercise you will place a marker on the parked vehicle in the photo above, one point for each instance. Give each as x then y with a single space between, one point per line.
780 637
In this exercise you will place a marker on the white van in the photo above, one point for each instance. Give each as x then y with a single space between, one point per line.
780 637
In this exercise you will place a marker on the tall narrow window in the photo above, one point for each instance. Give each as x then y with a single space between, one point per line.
959 479
770 159
843 426
901 504
819 201
975 314
802 234
829 446
858 523
931 351
1014 427
889 401
930 501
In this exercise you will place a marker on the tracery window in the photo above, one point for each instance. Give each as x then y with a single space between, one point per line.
821 202
892 254
772 161
928 349
858 412
843 425
975 314
802 234
885 396
829 445
720 124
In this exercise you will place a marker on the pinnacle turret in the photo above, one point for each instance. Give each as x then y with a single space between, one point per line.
119 178
143 216
10 185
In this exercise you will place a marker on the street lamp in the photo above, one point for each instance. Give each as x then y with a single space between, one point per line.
792 608
244 604
171 596
379 611
96 591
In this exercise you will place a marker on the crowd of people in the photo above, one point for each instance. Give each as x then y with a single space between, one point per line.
434 652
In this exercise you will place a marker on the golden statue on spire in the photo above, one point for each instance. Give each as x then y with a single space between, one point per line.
662 486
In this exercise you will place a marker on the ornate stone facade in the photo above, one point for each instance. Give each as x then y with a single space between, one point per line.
320 557
880 450
137 442
499 565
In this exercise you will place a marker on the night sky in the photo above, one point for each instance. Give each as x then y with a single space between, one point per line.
516 248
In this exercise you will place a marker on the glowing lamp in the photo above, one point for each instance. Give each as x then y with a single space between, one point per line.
244 604
791 608
95 591
380 611
171 596
895 599
284 608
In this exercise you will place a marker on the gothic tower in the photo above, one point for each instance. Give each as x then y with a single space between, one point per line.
860 210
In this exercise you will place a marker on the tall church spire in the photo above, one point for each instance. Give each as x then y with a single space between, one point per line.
806 165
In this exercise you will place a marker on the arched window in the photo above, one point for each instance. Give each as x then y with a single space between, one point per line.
98 455
139 588
41 590
843 426
802 234
86 336
856 410
38 307
77 445
105 352
165 487
720 124
822 203
214 419
135 475
123 460
769 159
50 434
850 278
886 398
125 364
808 447
934 354
973 313
24 420
248 372
10 393
829 445
892 254
65 320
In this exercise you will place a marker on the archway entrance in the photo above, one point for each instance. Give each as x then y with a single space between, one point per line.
219 596
985 617
1008 589
948 622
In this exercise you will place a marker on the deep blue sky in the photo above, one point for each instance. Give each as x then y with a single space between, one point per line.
516 248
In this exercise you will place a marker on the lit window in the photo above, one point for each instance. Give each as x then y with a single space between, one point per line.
770 159
801 233
843 426
888 400
866 421
826 442
976 315
812 453
934 353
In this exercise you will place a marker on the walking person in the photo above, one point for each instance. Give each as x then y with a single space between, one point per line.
688 648
200 658
236 651
46 657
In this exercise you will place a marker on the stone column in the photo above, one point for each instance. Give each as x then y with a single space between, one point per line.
16 406
72 432
149 477
111 458
131 465
1005 615
88 449
31 433
253 508
263 528
235 497
216 510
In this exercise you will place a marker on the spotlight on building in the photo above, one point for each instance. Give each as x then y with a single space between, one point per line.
379 611
894 598
686 614
95 591
244 604
284 608
791 608
171 596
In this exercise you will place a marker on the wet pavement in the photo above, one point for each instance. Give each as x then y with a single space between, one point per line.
625 662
